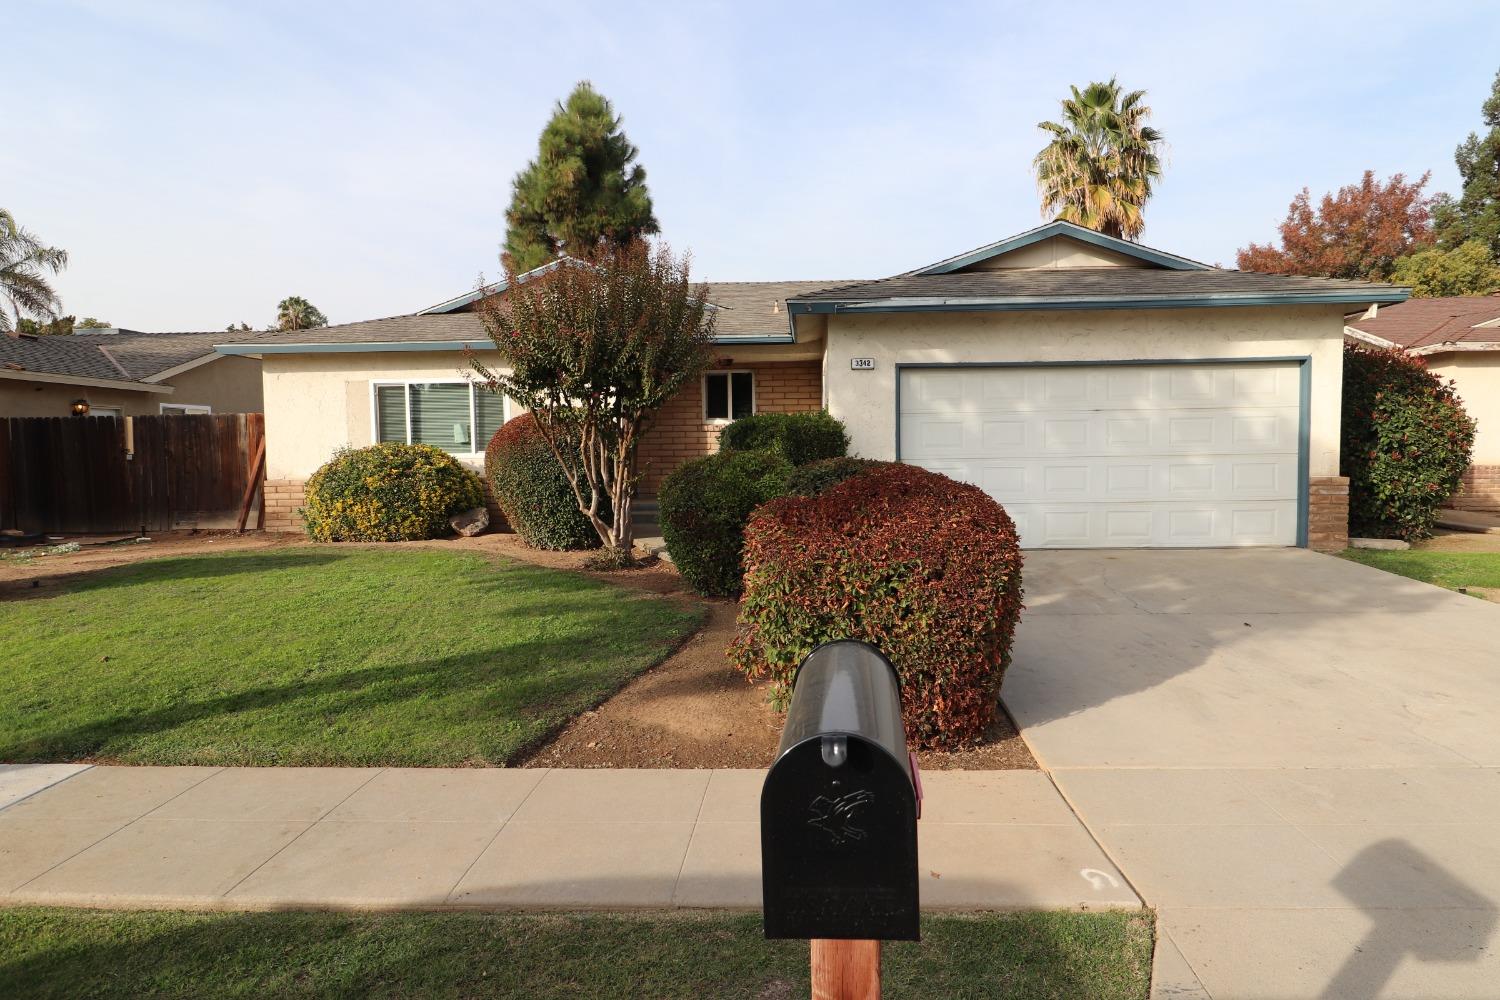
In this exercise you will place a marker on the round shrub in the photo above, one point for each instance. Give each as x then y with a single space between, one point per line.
925 568
1406 443
798 437
533 493
388 493
815 477
704 506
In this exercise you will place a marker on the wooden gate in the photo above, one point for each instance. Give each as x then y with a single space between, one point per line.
70 475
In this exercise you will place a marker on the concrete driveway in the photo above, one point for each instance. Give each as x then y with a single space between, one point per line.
1295 758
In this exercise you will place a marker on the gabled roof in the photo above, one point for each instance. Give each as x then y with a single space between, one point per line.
1058 227
1426 325
123 357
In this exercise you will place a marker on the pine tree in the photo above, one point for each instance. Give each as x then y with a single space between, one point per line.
1475 213
583 189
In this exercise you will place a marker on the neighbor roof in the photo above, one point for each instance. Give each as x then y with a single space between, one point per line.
125 356
1426 324
1088 288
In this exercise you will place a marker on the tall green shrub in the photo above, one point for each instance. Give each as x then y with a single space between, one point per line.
532 492
1406 443
388 493
704 506
798 437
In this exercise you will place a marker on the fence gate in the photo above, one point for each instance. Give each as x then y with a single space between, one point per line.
69 475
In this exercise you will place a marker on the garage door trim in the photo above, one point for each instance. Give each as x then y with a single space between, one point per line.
1304 370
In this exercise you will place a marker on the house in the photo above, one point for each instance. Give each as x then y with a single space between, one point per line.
114 373
1459 337
1108 394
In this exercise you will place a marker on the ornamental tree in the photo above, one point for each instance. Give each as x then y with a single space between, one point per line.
1355 233
594 348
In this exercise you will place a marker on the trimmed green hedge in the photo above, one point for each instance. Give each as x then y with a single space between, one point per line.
926 569
704 506
815 477
798 437
533 493
1406 443
388 493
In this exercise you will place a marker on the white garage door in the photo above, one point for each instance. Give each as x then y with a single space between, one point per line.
1117 455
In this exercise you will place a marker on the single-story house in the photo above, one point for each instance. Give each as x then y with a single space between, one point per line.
124 373
1108 394
1459 337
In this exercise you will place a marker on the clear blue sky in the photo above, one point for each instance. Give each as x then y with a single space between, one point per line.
200 161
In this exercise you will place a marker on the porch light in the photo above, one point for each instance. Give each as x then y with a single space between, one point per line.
80 407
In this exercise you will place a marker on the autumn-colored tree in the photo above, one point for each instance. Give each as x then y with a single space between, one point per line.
1356 232
593 349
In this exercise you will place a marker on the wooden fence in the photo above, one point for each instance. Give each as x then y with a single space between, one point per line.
70 475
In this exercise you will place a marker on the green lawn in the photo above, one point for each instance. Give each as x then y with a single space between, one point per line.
1446 569
78 953
318 656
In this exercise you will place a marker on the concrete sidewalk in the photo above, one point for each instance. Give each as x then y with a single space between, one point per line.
272 838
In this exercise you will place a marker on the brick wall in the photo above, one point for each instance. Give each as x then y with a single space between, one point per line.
283 497
1480 489
680 432
1328 514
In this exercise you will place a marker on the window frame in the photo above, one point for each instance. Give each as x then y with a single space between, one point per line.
114 412
184 409
407 383
728 374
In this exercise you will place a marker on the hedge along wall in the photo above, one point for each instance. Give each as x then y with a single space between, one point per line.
532 491
925 568
388 493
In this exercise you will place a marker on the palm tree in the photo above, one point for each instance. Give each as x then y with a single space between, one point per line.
24 264
296 313
1098 167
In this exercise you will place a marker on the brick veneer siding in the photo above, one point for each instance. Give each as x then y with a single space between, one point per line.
283 497
1328 514
1480 489
681 433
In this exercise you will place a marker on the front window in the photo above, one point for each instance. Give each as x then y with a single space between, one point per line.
458 417
728 395
183 409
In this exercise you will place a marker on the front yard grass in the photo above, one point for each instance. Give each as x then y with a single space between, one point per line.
99 954
1446 569
319 656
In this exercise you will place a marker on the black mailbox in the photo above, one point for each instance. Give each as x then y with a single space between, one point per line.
838 811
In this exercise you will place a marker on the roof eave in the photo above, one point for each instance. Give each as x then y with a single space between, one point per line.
1017 303
22 375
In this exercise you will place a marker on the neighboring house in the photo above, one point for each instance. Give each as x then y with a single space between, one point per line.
113 373
1106 393
1459 337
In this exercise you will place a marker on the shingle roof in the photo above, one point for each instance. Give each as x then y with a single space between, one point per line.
1104 283
1426 322
757 308
125 356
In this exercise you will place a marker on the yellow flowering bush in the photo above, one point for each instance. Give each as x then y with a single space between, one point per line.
388 493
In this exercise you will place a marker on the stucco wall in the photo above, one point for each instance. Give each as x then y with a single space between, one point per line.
229 385
1058 252
318 403
865 400
1478 378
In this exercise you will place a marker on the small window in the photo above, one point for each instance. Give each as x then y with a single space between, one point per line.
105 411
728 395
457 417
182 409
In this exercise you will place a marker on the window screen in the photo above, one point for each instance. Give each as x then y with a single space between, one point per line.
489 410
741 395
716 396
390 413
440 416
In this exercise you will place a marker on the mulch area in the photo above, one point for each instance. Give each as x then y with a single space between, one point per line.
691 711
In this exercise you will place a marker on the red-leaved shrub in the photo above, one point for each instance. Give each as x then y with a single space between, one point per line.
925 568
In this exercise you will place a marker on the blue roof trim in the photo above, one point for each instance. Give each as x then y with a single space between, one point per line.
1160 258
1024 303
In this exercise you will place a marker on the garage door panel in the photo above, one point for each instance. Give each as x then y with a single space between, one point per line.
1135 455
